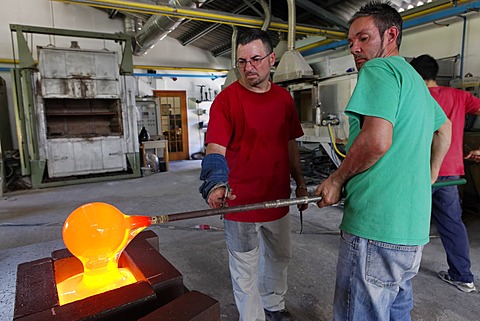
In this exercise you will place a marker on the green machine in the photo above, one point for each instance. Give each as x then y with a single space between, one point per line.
75 110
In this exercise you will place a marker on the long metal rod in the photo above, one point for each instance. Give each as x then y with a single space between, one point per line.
241 208
265 205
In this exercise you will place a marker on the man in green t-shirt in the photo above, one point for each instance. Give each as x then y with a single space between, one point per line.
398 138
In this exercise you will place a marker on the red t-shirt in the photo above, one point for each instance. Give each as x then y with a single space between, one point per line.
256 129
456 104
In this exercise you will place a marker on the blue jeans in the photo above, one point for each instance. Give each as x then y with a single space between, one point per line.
374 280
447 216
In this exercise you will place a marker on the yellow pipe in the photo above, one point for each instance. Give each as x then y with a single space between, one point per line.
202 15
427 11
143 67
431 10
315 45
332 137
9 61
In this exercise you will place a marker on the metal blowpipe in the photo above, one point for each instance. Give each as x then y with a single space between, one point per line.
265 205
241 208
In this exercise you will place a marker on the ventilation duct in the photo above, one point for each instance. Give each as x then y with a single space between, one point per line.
129 25
158 27
281 47
292 66
233 73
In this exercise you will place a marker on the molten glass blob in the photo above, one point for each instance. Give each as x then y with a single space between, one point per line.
96 234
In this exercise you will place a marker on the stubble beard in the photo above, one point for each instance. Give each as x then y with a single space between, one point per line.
253 82
380 53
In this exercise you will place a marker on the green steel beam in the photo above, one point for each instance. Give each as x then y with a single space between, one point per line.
37 168
26 58
126 66
29 113
20 122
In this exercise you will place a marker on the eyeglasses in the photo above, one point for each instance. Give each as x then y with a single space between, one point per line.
255 61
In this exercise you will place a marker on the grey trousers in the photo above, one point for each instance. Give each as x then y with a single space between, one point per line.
259 254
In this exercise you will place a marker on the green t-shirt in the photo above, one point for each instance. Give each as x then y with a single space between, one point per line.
391 201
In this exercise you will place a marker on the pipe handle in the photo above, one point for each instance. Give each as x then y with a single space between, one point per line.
450 182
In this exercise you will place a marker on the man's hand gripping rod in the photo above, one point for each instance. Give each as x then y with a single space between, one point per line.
241 208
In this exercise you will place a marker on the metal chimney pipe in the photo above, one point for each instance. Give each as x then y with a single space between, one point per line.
292 65
129 25
157 27
292 21
233 73
234 46
268 15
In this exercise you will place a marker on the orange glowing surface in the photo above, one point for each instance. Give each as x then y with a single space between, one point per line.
96 234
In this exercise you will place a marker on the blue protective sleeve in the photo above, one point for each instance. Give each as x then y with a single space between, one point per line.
214 172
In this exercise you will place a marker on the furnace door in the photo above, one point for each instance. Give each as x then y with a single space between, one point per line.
173 113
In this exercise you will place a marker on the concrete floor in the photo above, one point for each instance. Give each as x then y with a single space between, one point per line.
31 223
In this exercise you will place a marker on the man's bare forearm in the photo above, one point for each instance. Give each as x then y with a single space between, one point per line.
440 145
371 144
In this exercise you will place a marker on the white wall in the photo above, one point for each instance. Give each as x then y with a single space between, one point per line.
54 14
196 136
44 13
445 41
435 40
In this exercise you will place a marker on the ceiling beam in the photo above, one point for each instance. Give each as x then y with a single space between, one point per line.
210 28
205 15
322 13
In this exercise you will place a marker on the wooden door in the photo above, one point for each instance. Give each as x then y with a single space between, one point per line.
173 113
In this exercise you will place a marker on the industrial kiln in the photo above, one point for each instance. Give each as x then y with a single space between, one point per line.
75 111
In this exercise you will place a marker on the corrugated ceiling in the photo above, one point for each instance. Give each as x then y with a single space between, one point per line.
216 38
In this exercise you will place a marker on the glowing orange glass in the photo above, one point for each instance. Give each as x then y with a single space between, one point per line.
97 233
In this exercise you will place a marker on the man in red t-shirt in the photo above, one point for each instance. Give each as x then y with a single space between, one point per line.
250 156
446 208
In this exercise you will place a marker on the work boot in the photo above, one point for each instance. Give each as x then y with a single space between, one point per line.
282 315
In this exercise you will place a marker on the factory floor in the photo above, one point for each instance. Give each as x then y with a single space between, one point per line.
31 223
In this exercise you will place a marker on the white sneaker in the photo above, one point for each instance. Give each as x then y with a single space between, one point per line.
462 286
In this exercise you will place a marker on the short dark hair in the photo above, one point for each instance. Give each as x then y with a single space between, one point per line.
426 66
384 15
255 34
